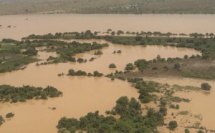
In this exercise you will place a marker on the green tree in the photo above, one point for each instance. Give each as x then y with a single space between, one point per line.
129 67
134 107
119 32
187 130
97 74
186 57
71 72
31 51
141 64
122 105
105 128
138 38
151 112
173 125
112 65
9 115
163 110
205 86
200 131
1 120
113 33
123 126
119 51
177 66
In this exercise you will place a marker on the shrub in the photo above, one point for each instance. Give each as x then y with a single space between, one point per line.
141 64
187 130
97 74
173 125
186 57
119 51
177 66
98 53
129 66
205 86
80 60
112 65
1 120
9 115
200 131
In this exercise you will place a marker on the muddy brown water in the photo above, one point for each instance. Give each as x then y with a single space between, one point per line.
23 25
201 103
85 94
80 94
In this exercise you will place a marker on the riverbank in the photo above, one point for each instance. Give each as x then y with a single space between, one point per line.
108 7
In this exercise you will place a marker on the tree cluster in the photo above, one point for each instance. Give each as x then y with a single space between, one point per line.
21 94
131 120
72 72
145 88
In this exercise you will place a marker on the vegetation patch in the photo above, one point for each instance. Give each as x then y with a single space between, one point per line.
72 72
21 94
129 67
130 120
98 52
14 57
9 115
183 113
205 86
112 65
173 125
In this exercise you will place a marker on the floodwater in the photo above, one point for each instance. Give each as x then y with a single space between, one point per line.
129 55
200 103
85 94
80 94
23 25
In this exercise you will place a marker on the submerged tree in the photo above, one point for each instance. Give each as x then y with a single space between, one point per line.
173 125
205 86
112 65
1 120
131 120
129 67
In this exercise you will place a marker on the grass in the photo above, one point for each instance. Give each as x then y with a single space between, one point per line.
197 75
183 88
183 113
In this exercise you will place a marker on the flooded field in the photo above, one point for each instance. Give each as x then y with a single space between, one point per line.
80 94
85 94
200 103
23 25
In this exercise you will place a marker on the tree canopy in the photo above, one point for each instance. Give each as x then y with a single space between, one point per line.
21 94
131 120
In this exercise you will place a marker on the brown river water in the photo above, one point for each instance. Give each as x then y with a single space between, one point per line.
23 25
84 94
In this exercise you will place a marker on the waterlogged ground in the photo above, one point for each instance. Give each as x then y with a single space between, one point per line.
201 103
